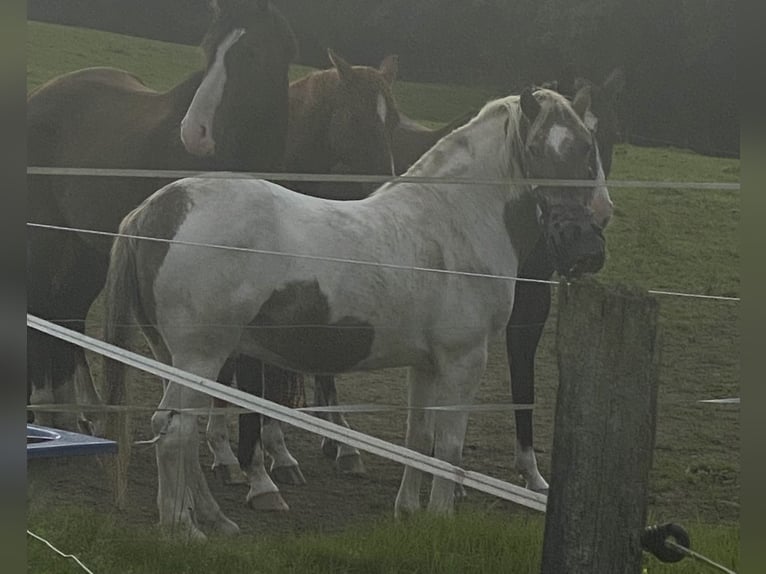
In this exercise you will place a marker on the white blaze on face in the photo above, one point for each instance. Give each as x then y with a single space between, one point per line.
382 109
591 121
382 114
557 137
197 125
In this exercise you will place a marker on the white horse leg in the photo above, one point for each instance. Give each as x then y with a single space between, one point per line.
225 463
526 466
457 385
420 434
284 467
183 496
264 493
348 459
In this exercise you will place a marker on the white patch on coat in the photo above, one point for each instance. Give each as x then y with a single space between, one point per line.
197 125
382 109
557 137
591 121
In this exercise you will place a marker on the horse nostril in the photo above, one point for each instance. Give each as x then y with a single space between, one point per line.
203 131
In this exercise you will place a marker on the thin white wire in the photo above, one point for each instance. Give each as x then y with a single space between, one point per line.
348 261
380 179
59 552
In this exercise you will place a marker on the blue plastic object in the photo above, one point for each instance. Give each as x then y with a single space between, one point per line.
48 442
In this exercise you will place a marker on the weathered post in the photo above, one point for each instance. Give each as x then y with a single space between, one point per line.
608 358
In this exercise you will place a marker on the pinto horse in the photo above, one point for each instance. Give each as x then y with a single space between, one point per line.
313 310
232 115
532 300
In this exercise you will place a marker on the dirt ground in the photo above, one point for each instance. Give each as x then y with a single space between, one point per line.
695 475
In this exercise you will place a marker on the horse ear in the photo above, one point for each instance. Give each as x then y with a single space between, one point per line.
389 67
530 107
581 103
615 82
580 83
551 85
343 67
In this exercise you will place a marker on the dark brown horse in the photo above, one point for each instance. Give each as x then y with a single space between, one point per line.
533 300
232 116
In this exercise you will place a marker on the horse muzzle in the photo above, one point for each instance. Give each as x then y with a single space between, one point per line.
577 248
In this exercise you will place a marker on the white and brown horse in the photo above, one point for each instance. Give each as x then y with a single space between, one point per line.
200 305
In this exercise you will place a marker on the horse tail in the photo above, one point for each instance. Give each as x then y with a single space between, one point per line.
121 306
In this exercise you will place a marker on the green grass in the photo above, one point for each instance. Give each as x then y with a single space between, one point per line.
484 544
53 50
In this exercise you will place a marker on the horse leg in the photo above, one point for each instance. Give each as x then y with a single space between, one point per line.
419 437
284 467
66 286
264 493
457 384
322 384
348 459
225 464
39 380
531 307
183 497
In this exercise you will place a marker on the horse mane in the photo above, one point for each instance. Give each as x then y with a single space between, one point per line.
506 113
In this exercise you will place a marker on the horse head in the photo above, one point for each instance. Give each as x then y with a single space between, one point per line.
364 117
239 111
602 117
559 145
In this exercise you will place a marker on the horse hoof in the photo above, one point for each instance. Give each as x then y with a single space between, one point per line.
329 448
268 502
226 527
230 474
460 492
351 465
291 475
540 490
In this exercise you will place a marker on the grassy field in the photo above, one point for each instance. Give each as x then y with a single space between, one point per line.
54 50
469 543
675 240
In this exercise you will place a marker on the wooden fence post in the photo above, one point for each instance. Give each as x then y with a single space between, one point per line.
608 358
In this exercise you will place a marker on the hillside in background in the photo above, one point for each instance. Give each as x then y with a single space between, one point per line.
680 55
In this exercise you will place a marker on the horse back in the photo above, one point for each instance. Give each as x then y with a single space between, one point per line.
90 118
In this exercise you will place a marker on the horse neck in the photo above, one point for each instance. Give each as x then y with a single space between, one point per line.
311 106
478 150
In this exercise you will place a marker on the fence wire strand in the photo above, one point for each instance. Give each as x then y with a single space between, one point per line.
329 259
59 552
379 179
